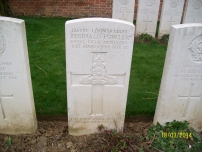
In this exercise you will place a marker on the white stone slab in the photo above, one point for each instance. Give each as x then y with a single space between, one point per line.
98 60
17 111
193 12
171 14
147 15
180 96
123 10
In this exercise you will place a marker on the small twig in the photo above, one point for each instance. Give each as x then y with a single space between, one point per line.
158 150
100 141
134 147
37 41
106 141
47 37
152 140
64 129
148 142
149 98
57 137
152 93
41 69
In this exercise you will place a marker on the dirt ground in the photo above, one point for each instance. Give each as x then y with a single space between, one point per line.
52 136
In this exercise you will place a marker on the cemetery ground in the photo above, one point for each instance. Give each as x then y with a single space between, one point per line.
46 45
138 136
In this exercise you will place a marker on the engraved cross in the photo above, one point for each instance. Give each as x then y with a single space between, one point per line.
171 22
98 80
124 17
189 97
194 20
1 103
147 22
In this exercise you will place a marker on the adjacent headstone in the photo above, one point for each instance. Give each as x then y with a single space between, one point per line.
147 15
98 60
17 111
171 14
180 96
193 12
123 10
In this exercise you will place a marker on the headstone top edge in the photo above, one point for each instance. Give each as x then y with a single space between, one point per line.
179 26
98 19
10 19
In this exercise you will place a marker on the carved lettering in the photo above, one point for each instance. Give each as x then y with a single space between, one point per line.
4 71
100 38
93 120
189 73
124 2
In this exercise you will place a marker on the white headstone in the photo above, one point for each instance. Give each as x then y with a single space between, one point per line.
17 110
147 15
123 10
180 96
171 14
193 12
98 60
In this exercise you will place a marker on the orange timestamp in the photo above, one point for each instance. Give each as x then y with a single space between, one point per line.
184 135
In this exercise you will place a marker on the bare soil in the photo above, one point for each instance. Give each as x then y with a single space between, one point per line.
52 136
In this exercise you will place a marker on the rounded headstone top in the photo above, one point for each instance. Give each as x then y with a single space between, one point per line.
98 19
10 19
177 26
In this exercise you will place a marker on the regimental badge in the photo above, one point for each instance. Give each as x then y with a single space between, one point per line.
98 67
195 50
99 74
149 3
174 3
2 44
124 2
197 4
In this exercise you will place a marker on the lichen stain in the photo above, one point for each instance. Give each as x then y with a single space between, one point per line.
19 126
77 130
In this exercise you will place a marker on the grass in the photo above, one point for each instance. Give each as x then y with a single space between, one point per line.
145 78
46 44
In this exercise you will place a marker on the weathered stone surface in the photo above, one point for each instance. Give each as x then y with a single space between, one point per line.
123 10
193 12
171 14
98 60
180 96
17 111
147 15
